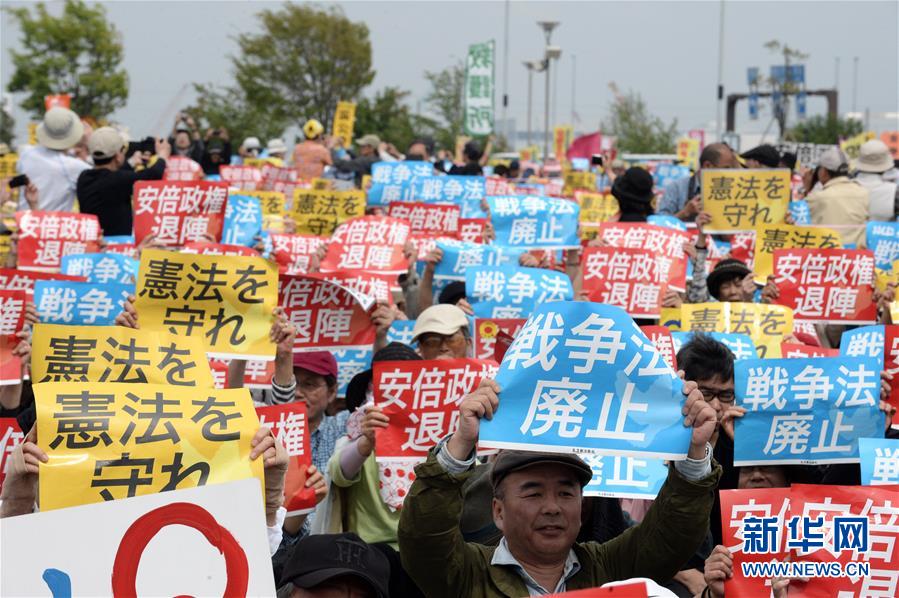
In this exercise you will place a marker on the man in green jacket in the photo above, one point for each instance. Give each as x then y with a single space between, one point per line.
537 506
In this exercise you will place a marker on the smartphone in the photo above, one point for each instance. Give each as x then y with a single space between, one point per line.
596 160
20 180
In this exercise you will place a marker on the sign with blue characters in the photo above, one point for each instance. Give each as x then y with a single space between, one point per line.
534 222
243 221
513 292
883 239
391 181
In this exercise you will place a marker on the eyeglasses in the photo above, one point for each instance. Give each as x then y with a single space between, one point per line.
435 341
723 396
310 385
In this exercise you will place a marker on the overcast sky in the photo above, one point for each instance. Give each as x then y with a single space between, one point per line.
667 51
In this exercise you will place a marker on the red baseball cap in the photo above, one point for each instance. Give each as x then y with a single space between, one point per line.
322 363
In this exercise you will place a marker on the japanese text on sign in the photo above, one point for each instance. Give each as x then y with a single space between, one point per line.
765 324
178 212
510 292
739 200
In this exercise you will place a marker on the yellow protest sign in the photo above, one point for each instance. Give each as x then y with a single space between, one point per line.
117 354
787 236
366 181
765 324
742 200
32 133
319 211
8 165
273 209
578 180
596 208
256 162
669 317
112 441
344 121
322 184
530 153
851 146
688 152
225 300
5 249
561 140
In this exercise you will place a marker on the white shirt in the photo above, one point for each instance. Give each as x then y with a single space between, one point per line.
54 173
881 196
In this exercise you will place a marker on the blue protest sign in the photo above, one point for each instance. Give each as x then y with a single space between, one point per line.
617 476
883 239
534 222
350 363
391 181
582 376
400 331
800 212
101 267
740 345
666 173
461 255
667 220
81 303
805 411
879 461
119 240
243 220
448 189
865 341
513 292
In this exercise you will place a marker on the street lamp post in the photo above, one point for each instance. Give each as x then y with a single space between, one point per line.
530 67
550 53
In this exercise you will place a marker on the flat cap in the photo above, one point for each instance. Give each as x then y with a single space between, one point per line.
510 461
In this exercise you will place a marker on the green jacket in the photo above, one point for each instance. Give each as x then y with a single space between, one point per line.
437 558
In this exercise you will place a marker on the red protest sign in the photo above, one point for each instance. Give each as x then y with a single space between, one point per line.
202 248
736 506
177 212
628 278
791 350
21 280
629 589
880 506
427 218
368 243
375 286
12 320
45 237
486 334
666 244
742 247
288 423
281 179
219 369
425 244
472 229
497 185
10 437
327 316
293 253
826 285
421 398
179 168
248 178
660 337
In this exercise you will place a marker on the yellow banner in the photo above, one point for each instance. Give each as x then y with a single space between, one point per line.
742 200
116 354
562 135
344 121
688 152
578 180
8 165
257 162
851 146
530 153
226 299
786 236
32 133
596 208
112 441
5 249
273 209
319 211
765 324
322 184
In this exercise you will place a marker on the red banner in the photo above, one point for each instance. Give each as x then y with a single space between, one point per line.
373 286
427 218
60 100
791 350
201 248
248 178
21 280
288 423
219 369
660 336
45 237
487 330
12 320
368 243
10 437
497 185
742 247
421 398
294 252
281 179
327 316
628 278
625 589
666 244
736 506
827 285
179 212
180 168
472 229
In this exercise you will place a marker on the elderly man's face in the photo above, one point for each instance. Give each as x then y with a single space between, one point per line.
443 346
539 512
762 477
182 140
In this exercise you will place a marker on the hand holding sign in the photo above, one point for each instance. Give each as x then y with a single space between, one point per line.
482 403
699 415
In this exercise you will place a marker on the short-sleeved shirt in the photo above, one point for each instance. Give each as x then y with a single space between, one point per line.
310 159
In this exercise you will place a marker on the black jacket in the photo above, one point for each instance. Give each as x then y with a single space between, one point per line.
107 194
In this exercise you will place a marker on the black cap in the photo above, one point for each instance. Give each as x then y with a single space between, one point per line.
508 461
452 292
321 557
723 271
358 386
765 154
634 186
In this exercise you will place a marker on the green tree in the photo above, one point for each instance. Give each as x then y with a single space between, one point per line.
303 62
228 107
77 53
824 129
446 102
7 126
388 116
638 131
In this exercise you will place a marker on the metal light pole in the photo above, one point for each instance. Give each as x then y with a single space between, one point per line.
530 67
548 55
573 87
506 74
720 89
855 84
